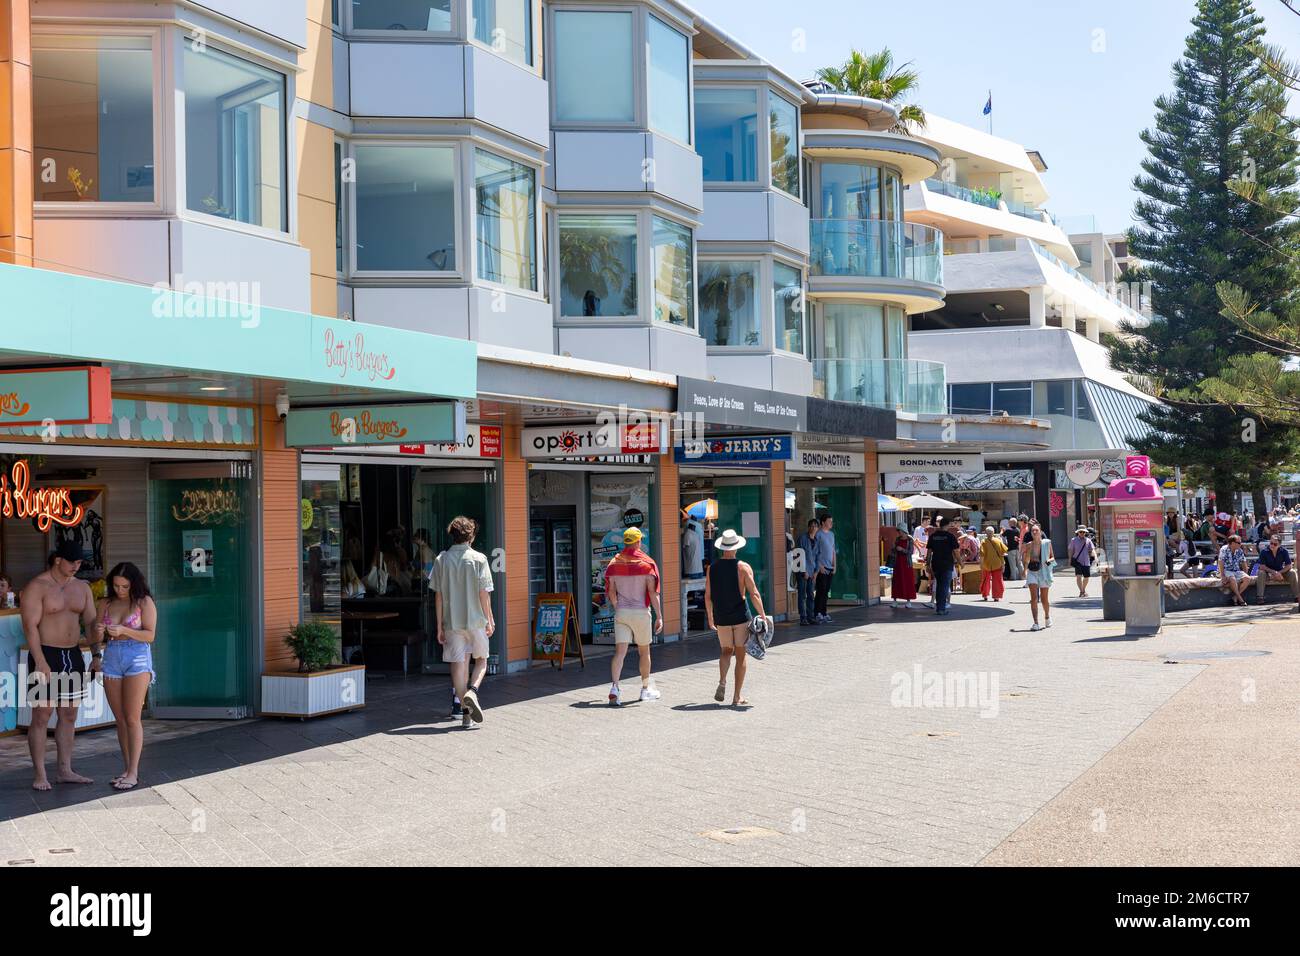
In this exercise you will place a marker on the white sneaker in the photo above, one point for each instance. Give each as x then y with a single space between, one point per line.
615 696
649 693
1047 623
1036 627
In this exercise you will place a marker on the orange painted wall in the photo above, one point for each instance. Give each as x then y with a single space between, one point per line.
871 482
281 527
514 501
670 551
15 132
776 521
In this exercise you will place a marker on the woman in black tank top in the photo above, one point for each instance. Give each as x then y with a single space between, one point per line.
724 588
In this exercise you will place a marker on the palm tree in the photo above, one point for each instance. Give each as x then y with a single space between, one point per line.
874 76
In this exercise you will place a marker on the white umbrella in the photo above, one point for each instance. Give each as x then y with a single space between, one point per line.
931 503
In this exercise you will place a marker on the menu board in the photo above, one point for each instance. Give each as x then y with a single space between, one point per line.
555 629
618 502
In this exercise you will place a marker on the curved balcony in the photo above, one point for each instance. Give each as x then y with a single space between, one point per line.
904 385
878 257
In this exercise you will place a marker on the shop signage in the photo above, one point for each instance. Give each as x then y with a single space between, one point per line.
926 462
720 404
911 482
209 506
481 441
1083 472
1129 520
375 424
591 440
1137 466
59 396
555 630
827 462
736 449
46 507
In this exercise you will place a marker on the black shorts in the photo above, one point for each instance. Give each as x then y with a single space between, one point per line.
69 678
1082 570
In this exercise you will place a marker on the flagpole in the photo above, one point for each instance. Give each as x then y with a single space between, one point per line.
990 112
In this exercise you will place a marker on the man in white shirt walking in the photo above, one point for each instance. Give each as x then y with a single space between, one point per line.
462 583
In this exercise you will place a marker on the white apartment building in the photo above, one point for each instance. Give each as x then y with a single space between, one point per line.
1021 324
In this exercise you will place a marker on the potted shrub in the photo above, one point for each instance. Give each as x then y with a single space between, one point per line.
319 685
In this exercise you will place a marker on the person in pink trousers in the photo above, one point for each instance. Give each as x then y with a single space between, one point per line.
993 551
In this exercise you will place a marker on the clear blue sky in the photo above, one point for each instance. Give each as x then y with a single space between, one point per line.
1051 92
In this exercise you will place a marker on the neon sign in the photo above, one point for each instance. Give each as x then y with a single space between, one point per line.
208 506
46 506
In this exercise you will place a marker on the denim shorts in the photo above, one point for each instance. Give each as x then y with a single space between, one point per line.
127 658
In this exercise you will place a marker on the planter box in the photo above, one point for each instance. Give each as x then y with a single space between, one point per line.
332 691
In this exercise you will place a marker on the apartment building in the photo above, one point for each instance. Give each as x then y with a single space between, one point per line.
1021 325
342 271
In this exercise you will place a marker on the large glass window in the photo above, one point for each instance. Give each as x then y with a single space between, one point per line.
895 332
855 345
969 398
593 67
674 273
849 191
92 119
729 305
234 138
892 206
506 26
433 16
783 121
597 265
406 208
670 97
338 207
726 134
1014 398
506 222
788 297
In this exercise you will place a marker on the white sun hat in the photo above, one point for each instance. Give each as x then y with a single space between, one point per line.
729 541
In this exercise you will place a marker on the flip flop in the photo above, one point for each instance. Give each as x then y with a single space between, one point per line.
721 693
743 702
119 785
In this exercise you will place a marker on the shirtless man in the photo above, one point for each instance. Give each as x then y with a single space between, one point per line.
56 606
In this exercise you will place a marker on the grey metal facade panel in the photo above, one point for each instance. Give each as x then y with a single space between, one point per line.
545 386
845 418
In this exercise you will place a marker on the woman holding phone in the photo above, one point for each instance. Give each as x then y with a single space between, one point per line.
127 618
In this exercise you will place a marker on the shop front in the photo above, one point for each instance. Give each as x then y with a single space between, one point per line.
588 482
167 486
828 481
373 520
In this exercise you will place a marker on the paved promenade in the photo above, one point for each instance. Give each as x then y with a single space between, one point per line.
886 738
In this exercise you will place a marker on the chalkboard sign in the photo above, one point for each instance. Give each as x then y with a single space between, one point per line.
555 630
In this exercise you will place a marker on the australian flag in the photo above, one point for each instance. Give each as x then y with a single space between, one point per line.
988 107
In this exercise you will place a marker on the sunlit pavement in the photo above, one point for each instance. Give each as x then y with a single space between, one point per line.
887 737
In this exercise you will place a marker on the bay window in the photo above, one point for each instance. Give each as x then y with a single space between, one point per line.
598 265
505 221
593 70
674 273
422 16
234 138
405 208
726 134
93 118
783 126
506 26
788 303
729 304
670 97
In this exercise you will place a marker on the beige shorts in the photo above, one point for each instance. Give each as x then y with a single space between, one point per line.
473 641
733 635
633 627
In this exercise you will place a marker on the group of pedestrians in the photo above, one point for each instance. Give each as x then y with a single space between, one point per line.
813 560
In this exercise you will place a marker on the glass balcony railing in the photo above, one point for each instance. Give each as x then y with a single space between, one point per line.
877 248
980 197
1025 210
904 385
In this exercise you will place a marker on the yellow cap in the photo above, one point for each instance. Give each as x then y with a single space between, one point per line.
631 535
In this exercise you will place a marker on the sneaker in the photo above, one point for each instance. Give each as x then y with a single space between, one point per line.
615 696
456 708
827 619
649 693
1036 627
472 706
466 722
803 621
1047 623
